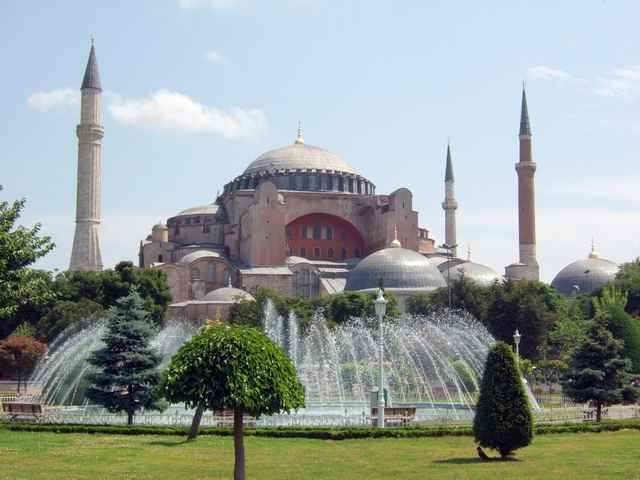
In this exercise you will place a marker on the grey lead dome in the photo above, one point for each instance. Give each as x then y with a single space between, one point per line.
587 275
399 268
299 157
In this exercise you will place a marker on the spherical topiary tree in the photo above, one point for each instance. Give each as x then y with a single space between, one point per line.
503 418
236 367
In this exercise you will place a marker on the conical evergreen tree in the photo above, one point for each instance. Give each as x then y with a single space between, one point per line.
503 419
126 373
598 373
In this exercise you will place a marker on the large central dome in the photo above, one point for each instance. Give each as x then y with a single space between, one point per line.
299 157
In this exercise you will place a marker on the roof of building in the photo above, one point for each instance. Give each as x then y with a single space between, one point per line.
299 156
210 209
333 285
398 268
91 77
475 272
197 255
227 294
585 276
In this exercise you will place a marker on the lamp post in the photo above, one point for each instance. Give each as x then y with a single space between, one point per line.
516 339
449 249
381 308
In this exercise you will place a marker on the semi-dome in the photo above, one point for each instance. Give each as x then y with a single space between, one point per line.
211 209
299 157
197 255
399 268
227 294
585 276
474 272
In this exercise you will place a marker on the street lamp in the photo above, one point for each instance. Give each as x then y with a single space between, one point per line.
516 339
449 249
381 308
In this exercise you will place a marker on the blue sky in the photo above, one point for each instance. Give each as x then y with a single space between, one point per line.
196 89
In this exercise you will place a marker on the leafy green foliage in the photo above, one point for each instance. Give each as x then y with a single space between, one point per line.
610 304
65 313
466 295
528 306
568 332
419 304
503 419
20 247
233 366
126 373
24 330
598 373
628 281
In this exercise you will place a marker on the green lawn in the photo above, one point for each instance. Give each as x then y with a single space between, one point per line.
26 455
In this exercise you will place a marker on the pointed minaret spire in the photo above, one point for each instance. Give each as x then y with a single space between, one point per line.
450 204
525 125
448 176
300 138
91 75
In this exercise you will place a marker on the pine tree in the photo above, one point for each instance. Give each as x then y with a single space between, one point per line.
597 372
126 373
503 419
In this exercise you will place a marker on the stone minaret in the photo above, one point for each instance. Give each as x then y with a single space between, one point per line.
527 268
449 205
86 246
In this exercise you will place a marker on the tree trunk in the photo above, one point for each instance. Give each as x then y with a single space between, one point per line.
19 378
131 410
238 443
129 417
195 423
598 411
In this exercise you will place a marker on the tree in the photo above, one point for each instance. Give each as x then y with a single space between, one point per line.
568 332
528 306
503 419
611 305
467 375
419 304
628 281
466 295
20 354
237 367
597 372
65 313
20 247
126 373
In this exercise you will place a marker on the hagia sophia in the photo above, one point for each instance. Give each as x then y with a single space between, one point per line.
299 219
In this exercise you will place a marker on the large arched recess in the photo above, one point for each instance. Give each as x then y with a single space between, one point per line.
320 236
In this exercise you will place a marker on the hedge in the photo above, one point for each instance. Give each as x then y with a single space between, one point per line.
320 433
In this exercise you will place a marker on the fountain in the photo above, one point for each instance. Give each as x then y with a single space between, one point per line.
61 374
338 366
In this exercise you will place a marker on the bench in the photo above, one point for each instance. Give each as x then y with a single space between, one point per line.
224 418
27 410
395 415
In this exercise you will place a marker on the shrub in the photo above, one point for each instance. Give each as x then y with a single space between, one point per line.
503 419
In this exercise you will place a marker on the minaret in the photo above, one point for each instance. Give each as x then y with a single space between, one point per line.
449 205
526 168
85 255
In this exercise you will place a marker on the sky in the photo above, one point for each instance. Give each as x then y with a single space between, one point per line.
194 90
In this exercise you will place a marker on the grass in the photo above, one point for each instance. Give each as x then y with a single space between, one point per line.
30 455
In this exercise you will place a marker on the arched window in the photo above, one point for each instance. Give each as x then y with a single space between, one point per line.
343 253
211 272
330 252
225 276
160 260
195 274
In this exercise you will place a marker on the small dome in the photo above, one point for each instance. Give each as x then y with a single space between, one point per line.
299 156
197 255
585 276
227 294
475 272
159 226
200 210
398 267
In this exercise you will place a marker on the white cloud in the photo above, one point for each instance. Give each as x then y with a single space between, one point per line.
620 82
547 73
624 189
174 112
58 97
214 56
214 4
